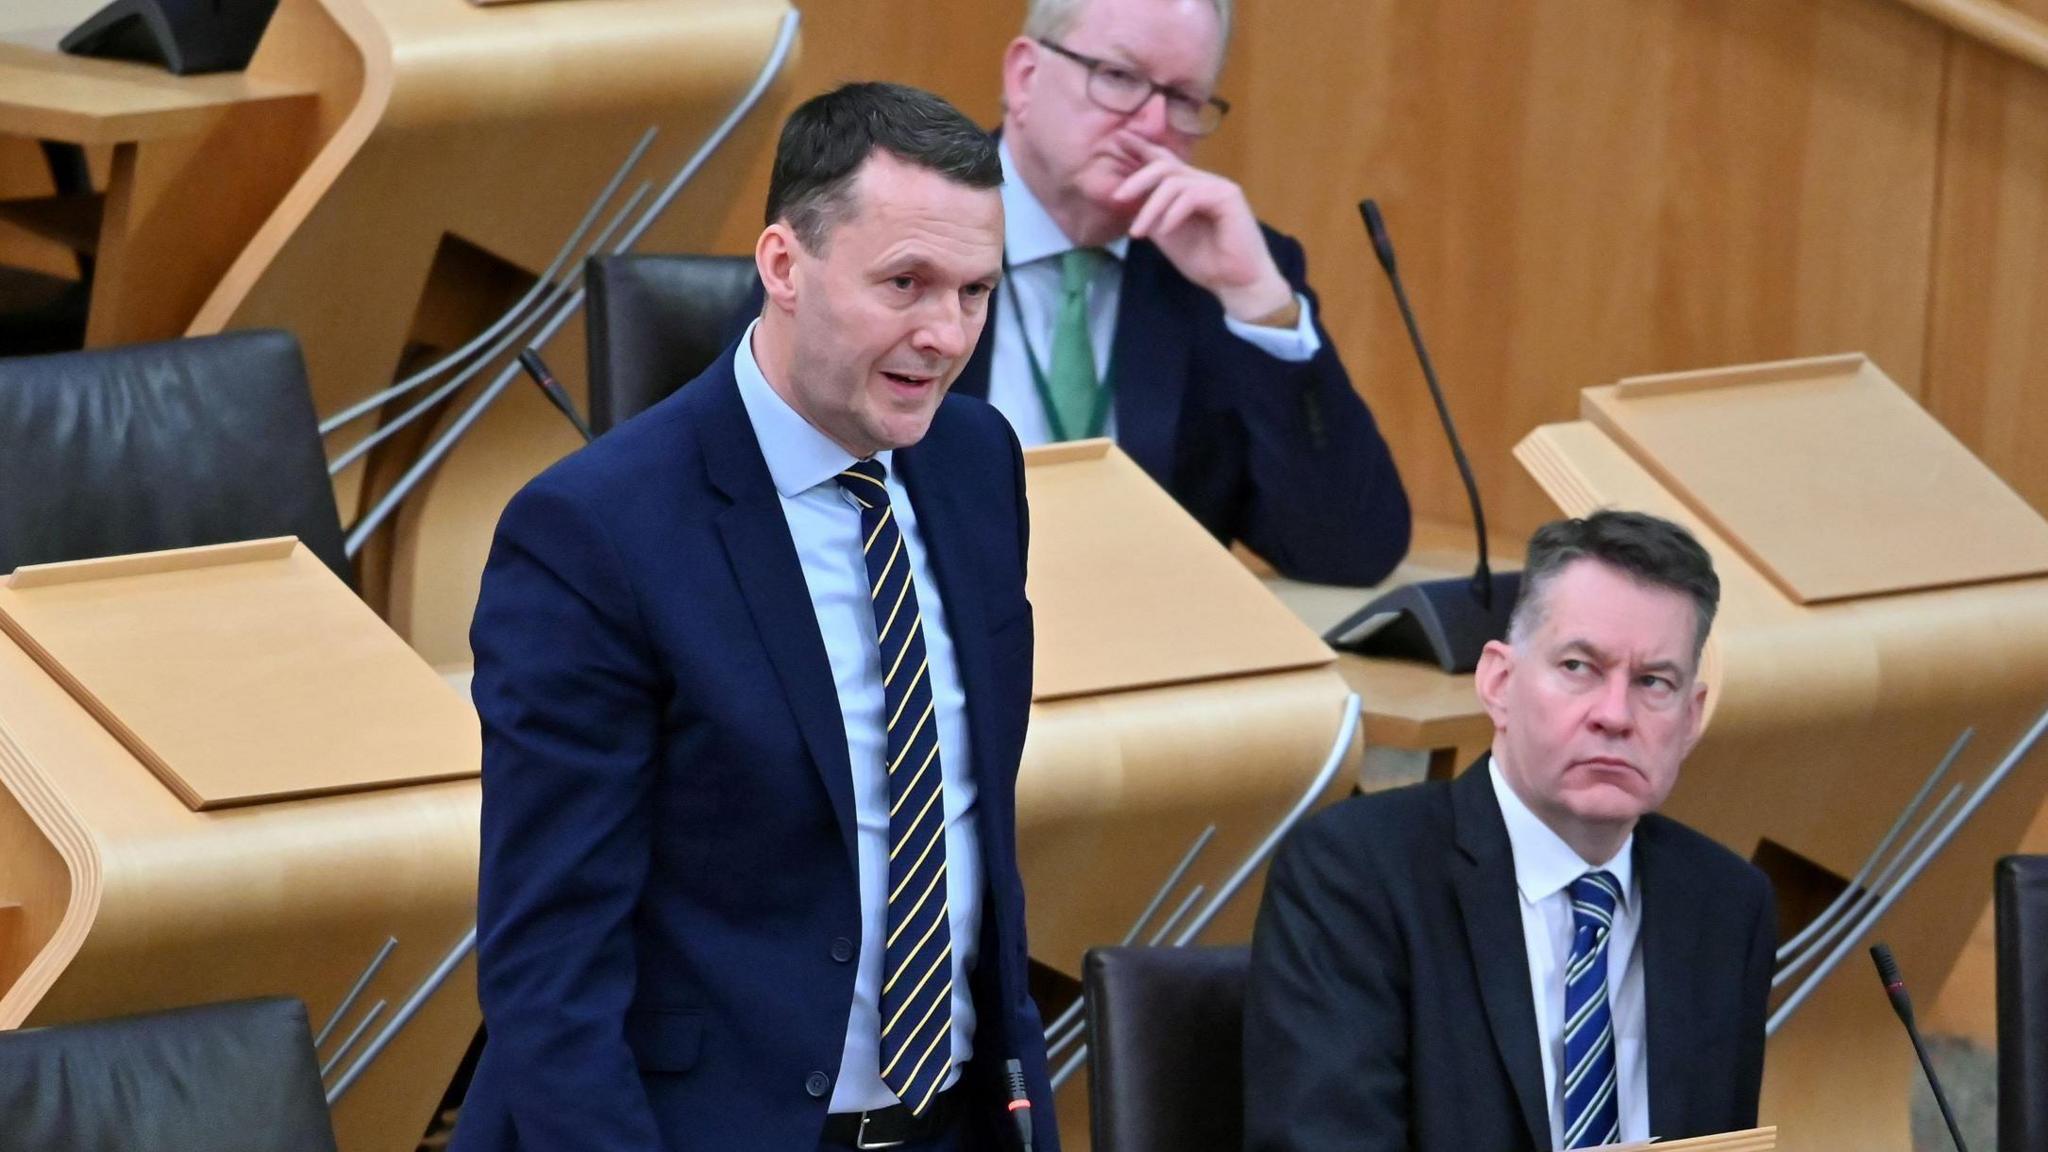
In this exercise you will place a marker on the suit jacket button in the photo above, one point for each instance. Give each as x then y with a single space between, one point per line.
842 949
818 1084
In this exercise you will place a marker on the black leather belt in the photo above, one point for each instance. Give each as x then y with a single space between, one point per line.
893 1126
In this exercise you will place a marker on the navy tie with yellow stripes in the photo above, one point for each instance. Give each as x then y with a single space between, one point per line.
917 968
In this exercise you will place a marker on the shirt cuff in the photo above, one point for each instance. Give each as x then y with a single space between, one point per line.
1295 345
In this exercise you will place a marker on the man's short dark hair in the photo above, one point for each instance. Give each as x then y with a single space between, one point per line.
1652 550
829 137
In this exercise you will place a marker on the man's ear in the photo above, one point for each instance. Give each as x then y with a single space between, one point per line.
1020 66
775 258
1496 666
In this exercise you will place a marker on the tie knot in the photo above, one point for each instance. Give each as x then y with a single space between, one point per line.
1077 267
1596 892
863 480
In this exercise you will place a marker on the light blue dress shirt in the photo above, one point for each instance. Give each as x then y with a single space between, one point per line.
1545 867
824 523
1033 243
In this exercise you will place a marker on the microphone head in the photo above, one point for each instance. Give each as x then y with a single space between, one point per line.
1013 1076
1887 968
1376 228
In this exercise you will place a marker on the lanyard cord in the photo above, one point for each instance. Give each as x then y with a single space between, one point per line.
1104 391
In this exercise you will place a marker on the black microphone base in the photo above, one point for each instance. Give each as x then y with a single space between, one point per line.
1435 621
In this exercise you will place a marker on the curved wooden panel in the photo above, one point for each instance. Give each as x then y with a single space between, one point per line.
131 901
1115 788
477 139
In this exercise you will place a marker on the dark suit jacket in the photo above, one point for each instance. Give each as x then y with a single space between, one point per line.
1284 457
669 901
1389 1005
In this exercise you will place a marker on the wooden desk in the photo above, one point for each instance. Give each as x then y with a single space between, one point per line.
1419 721
221 150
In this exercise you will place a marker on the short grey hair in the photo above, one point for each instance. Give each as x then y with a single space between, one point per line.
1652 551
1052 19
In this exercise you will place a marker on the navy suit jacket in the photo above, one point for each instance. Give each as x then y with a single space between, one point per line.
1389 1007
1284 457
669 912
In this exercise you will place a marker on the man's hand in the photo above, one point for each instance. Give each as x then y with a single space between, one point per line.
1204 225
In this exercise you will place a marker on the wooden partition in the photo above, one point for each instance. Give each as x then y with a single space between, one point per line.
1605 188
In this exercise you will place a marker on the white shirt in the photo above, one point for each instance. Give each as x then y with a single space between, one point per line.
1033 244
1545 867
824 523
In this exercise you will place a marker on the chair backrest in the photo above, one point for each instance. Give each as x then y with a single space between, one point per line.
2021 888
1166 1047
233 1077
171 445
655 322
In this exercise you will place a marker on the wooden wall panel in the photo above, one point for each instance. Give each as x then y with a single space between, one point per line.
1579 191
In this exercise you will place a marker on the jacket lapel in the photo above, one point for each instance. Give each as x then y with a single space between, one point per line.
1670 947
771 578
1149 361
1484 880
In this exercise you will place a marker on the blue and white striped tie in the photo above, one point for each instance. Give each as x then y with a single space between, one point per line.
1592 1115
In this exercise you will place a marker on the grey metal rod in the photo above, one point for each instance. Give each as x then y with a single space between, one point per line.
369 522
1848 892
1997 776
1054 1045
370 404
1347 731
404 1015
398 423
1871 895
1173 880
354 1035
1068 1069
778 53
1180 911
362 982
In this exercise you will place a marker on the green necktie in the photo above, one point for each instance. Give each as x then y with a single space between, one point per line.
1073 383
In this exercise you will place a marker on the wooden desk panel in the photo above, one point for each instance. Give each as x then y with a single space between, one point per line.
49 95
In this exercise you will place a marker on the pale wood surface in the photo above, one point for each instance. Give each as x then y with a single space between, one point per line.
54 96
1827 477
1115 788
241 674
131 901
1129 592
466 146
1829 718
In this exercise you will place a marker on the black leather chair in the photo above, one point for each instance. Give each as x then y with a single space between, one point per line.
153 446
654 323
234 1077
1166 1047
2021 888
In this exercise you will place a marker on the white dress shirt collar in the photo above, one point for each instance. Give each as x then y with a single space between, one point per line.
799 456
1544 863
1029 233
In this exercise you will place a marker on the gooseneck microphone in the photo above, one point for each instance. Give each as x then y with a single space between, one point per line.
1895 988
1445 621
1020 1101
553 390
1383 247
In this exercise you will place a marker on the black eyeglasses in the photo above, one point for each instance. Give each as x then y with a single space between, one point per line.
1117 89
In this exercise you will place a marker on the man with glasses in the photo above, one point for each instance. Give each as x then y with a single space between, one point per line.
1144 300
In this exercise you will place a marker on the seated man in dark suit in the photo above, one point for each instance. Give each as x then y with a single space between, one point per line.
1146 302
1527 957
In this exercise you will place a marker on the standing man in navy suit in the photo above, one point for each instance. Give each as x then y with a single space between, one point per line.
753 671
1146 302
